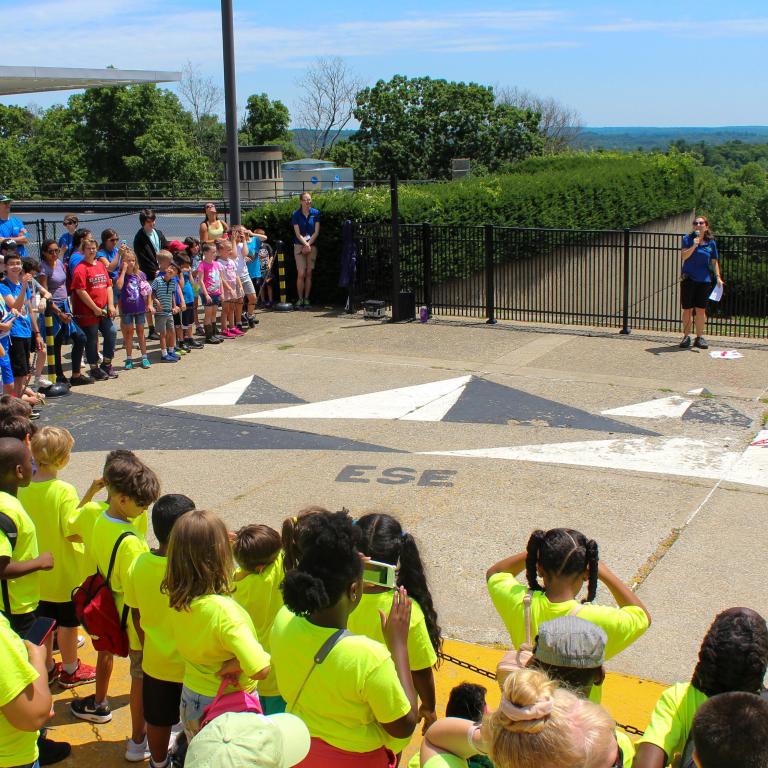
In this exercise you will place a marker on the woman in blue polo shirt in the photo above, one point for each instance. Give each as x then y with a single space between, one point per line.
700 260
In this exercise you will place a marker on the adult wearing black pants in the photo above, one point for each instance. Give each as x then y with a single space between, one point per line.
53 277
700 261
146 244
94 309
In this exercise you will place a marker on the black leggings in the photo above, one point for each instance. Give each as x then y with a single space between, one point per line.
78 347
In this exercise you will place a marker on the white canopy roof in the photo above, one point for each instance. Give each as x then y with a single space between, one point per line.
39 79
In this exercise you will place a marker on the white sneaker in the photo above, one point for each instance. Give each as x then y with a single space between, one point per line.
175 731
136 753
42 383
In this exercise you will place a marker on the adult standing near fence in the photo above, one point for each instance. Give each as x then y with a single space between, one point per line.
146 244
701 268
71 223
212 228
11 227
306 230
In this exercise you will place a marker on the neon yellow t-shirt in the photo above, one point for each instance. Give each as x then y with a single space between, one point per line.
445 760
24 591
260 595
672 719
214 630
622 625
348 695
365 620
50 504
627 747
99 545
16 747
161 657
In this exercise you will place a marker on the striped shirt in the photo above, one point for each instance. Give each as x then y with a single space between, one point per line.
164 292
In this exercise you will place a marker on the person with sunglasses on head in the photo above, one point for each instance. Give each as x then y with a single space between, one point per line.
71 223
701 268
212 228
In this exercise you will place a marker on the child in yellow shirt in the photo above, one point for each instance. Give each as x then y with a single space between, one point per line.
50 503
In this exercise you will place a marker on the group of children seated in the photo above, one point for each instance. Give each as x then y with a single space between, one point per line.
316 645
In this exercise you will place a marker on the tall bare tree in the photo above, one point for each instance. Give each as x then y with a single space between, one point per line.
328 93
200 94
559 124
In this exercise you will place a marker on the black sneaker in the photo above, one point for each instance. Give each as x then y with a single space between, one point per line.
194 344
97 374
253 320
86 709
685 343
109 370
80 381
701 343
62 380
52 751
153 335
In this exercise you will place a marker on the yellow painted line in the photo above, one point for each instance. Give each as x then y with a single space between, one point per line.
629 699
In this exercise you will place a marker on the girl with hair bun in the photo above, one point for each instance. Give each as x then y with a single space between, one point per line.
537 725
384 540
355 695
564 559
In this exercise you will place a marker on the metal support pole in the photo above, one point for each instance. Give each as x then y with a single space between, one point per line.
59 388
625 329
395 248
230 104
490 288
283 305
426 255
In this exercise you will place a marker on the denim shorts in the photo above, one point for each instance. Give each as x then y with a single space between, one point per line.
215 301
191 710
139 319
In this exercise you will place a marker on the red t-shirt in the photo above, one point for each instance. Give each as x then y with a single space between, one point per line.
94 279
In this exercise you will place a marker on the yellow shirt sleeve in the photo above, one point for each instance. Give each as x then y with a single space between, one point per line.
5 546
421 654
238 636
622 625
507 595
383 692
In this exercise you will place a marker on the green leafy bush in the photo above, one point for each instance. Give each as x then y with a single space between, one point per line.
576 191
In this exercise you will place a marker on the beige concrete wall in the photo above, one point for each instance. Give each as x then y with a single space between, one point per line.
582 283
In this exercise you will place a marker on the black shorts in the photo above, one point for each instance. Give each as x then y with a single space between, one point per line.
21 349
21 623
64 613
161 701
177 320
188 316
692 295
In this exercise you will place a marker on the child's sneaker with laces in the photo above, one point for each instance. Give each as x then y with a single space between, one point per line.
136 753
166 358
84 674
88 709
145 363
53 674
128 365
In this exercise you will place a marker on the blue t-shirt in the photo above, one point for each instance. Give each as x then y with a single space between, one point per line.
254 266
188 290
11 228
65 242
696 266
22 326
110 257
74 259
306 223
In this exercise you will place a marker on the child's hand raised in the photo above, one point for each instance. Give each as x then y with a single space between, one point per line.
395 626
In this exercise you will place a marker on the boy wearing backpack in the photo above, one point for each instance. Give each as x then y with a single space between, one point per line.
20 561
131 486
162 665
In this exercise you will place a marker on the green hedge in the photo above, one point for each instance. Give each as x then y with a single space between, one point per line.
575 191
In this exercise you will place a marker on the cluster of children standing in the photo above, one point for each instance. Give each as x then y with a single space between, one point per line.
287 635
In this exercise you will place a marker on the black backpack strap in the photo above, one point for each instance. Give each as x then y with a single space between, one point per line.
8 527
112 559
319 658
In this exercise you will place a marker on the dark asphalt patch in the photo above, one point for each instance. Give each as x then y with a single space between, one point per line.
261 391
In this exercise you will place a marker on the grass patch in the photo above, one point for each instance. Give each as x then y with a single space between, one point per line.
281 347
764 420
137 392
665 389
763 400
707 395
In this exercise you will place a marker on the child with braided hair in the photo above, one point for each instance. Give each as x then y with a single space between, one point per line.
564 559
384 540
733 657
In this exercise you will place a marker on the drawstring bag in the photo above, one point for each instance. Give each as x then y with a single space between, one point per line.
234 701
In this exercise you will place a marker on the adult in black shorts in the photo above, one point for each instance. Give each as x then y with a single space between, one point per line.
701 268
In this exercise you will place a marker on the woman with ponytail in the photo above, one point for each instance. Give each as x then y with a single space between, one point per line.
537 725
384 540
564 559
355 695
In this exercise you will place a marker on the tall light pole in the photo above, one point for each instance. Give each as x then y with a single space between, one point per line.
230 105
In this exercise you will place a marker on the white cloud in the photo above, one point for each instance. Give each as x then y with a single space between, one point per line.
707 29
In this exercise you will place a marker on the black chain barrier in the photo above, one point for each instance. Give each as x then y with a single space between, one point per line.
492 676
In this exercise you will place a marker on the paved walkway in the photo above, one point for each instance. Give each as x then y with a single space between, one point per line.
474 436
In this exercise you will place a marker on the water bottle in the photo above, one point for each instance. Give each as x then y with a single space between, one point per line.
423 315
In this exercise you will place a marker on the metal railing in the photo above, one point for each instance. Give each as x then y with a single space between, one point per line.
612 278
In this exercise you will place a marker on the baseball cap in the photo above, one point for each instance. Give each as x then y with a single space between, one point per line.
9 244
569 641
5 199
176 245
247 740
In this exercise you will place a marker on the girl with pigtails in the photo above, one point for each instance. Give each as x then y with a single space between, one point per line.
563 559
384 540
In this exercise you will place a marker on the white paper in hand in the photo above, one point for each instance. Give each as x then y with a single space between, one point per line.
717 293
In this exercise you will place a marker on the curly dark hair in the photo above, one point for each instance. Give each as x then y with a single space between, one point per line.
734 653
385 540
562 552
329 562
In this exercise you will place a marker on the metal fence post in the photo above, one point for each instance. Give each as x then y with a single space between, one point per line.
426 255
490 288
395 248
625 329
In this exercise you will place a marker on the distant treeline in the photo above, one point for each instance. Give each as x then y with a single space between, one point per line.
630 139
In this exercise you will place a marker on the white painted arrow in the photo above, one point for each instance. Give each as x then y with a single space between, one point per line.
662 408
227 394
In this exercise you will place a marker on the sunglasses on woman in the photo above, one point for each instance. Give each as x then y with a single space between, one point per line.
699 223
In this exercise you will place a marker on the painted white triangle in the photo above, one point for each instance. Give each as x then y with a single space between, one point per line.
698 391
227 394
432 400
666 456
662 408
752 468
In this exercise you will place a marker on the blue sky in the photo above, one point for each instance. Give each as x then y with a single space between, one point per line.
619 63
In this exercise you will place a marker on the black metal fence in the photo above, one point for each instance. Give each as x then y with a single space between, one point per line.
612 278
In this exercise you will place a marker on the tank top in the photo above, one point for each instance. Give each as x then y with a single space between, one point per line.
215 229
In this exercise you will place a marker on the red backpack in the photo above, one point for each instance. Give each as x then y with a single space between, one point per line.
96 610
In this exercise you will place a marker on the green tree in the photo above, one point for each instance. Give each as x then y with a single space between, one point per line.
15 174
266 121
415 127
16 122
53 152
